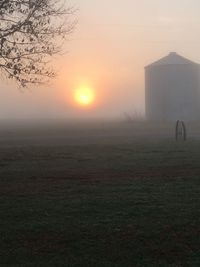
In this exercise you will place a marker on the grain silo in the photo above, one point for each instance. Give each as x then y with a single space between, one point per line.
172 89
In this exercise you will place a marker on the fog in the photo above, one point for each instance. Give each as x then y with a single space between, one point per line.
112 43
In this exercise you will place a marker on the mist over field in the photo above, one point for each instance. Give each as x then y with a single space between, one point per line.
99 166
108 50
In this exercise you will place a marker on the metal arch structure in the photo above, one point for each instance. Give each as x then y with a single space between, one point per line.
180 131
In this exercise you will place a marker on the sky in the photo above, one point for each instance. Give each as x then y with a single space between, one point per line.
107 52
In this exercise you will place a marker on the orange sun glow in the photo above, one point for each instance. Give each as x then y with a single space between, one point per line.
84 96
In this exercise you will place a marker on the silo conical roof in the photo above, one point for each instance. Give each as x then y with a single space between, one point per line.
172 59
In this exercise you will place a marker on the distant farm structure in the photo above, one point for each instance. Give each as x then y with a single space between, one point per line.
172 89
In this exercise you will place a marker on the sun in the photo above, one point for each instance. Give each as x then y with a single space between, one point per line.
84 96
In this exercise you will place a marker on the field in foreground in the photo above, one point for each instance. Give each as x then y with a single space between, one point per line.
103 196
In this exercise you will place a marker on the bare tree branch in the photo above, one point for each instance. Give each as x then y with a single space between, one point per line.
31 31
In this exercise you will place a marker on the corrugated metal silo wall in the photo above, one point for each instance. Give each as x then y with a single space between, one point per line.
172 92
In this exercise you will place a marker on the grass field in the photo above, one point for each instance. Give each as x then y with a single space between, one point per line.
99 195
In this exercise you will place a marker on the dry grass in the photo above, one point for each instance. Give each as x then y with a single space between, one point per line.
100 195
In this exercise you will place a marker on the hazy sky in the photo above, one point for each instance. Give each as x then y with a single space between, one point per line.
112 43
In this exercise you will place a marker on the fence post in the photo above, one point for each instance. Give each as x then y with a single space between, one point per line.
176 130
180 130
